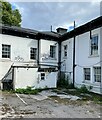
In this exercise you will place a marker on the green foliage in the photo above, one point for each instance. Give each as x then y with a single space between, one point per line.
28 90
63 81
83 89
9 16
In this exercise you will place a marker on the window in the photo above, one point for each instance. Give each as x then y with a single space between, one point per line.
6 51
94 45
33 53
52 51
97 74
42 76
86 73
65 50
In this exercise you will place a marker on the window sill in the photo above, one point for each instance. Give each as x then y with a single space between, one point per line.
91 56
53 59
64 57
31 60
86 81
6 59
97 83
92 83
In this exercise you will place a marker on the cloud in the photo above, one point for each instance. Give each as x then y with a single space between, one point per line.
41 15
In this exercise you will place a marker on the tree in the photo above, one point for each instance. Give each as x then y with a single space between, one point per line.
8 15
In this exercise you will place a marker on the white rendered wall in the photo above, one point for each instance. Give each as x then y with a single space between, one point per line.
82 58
18 44
25 77
101 45
20 48
67 62
101 55
45 52
30 77
49 82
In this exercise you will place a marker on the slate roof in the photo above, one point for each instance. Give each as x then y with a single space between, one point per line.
96 23
50 35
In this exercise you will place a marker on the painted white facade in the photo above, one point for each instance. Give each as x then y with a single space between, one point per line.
31 77
83 59
101 54
45 52
67 62
20 56
27 72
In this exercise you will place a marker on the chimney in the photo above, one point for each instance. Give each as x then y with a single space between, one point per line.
61 30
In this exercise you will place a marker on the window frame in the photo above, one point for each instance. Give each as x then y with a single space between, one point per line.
65 51
92 48
6 51
42 76
53 52
95 75
33 54
87 75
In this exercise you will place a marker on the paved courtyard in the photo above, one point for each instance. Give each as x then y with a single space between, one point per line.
46 104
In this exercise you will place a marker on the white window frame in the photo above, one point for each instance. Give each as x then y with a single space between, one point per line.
92 51
65 51
52 51
87 74
33 52
6 51
97 75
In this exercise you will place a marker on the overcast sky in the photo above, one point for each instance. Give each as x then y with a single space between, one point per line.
41 15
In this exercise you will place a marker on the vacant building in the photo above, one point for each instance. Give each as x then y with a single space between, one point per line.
33 58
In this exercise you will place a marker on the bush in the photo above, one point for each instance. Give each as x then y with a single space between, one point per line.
28 90
83 89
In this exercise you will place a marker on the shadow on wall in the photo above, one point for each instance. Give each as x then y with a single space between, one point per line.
64 81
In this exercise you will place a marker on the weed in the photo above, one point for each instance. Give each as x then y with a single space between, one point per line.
63 81
28 90
83 89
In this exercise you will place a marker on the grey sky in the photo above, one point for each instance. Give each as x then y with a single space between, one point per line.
41 15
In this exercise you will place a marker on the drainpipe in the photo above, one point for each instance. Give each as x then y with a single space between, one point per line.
59 56
38 52
13 75
101 48
74 58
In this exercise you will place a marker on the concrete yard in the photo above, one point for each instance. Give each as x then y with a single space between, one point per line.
46 104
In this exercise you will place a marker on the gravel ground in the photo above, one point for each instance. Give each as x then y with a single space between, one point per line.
46 106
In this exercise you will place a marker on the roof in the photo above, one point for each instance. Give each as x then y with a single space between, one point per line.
20 29
96 23
61 28
50 35
27 33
